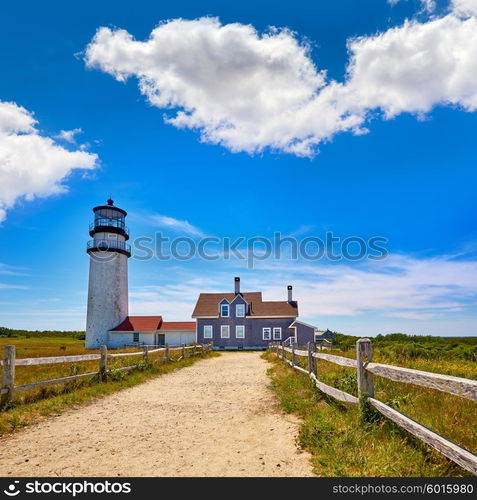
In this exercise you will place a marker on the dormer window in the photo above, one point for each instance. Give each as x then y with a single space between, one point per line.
224 310
240 310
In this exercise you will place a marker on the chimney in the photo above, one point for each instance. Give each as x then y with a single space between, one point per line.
237 285
290 293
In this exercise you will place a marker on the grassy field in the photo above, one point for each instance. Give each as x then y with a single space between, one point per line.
30 406
342 444
453 417
35 347
54 346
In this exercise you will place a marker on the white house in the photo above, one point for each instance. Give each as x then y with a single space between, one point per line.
151 330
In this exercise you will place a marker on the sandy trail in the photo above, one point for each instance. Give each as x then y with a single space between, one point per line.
214 418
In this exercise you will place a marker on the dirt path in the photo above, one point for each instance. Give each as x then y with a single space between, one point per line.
215 418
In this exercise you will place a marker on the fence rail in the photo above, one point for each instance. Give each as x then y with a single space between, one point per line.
366 369
9 362
338 360
55 359
445 383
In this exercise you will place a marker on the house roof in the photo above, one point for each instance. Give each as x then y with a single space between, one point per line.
306 324
150 324
178 325
208 305
139 324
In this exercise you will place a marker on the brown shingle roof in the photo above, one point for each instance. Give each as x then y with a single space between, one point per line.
208 305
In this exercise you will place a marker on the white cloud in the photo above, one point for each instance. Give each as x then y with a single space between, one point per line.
465 7
176 225
32 165
239 88
413 68
398 286
69 135
248 91
427 5
11 270
5 286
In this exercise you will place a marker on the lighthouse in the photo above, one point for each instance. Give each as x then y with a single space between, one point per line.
108 273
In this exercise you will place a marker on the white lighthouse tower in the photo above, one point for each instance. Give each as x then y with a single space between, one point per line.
108 273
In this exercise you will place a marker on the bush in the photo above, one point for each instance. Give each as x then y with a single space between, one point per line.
9 332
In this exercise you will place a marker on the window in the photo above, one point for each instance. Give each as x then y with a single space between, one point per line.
207 331
136 337
224 331
277 333
240 310
224 310
240 332
267 333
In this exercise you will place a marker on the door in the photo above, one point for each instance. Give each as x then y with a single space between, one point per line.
160 339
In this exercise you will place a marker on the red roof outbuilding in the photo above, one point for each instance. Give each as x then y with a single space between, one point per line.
178 325
151 324
139 324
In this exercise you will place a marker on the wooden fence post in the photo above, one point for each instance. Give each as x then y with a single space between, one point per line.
183 351
168 354
146 353
311 359
284 354
103 362
293 357
364 355
8 376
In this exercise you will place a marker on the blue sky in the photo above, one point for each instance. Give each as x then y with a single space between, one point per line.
404 169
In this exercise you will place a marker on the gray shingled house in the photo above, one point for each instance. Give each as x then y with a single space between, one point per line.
245 321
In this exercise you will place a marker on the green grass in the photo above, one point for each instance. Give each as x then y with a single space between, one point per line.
451 416
13 333
44 347
402 348
57 346
31 406
341 444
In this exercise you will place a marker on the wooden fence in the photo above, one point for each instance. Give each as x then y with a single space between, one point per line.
366 369
8 388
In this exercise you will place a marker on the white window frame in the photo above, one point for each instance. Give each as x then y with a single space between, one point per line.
277 329
267 334
242 306
222 328
237 327
228 310
206 328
